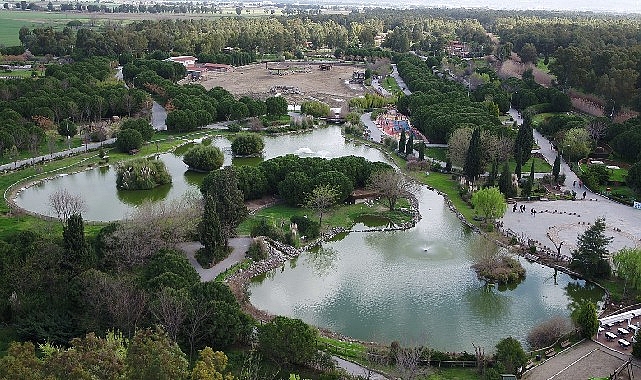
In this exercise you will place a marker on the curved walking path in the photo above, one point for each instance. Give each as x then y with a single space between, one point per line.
239 246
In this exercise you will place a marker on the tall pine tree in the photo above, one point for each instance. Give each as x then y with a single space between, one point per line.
494 173
210 232
421 152
519 164
527 188
472 167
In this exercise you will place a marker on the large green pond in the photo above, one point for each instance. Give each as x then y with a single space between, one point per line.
106 203
415 286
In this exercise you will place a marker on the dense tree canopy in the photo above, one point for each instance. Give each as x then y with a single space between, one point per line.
204 157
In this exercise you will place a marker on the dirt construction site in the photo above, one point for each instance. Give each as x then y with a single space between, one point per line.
297 82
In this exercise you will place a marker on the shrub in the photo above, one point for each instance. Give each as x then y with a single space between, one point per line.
257 250
235 127
246 144
548 332
306 226
128 140
418 165
205 158
141 174
595 176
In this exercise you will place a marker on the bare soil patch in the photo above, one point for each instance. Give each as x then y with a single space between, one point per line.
331 87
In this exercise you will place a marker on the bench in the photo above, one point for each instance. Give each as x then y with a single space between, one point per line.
565 344
549 353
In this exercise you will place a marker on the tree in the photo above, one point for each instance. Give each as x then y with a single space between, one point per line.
226 199
421 151
473 166
493 175
67 129
204 158
548 332
628 267
505 182
523 144
276 106
318 109
128 140
490 202
77 254
577 143
152 355
21 362
528 53
246 144
591 254
321 199
65 204
288 341
141 125
527 188
401 142
391 185
636 346
210 366
510 355
556 168
210 232
586 319
409 147
633 180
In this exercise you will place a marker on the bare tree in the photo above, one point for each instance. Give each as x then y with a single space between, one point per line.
170 309
153 226
458 144
548 332
407 362
321 199
65 204
597 128
391 185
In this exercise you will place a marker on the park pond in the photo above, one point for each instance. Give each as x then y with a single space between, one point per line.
415 286
106 203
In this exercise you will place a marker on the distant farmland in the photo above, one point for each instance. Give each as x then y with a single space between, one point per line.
12 20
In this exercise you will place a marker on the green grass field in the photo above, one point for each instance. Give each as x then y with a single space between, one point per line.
390 85
540 166
436 153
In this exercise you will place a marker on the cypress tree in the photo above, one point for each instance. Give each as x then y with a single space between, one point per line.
409 147
519 165
401 142
556 168
494 173
472 167
524 143
421 152
505 182
77 257
527 189
211 233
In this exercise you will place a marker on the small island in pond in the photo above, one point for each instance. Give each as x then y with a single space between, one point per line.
142 174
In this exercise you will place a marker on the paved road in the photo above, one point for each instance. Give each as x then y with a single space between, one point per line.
239 245
377 86
158 117
400 81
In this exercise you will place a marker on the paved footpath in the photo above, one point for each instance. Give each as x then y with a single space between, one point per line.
562 221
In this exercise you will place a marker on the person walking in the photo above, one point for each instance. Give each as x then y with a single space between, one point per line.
584 194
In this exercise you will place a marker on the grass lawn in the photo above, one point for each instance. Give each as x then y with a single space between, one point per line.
540 166
436 153
390 85
445 184
540 118
543 67
341 348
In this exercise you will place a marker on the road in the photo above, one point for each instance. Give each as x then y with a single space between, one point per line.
357 370
400 81
239 245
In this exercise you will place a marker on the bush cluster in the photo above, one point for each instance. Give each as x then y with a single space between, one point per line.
204 158
141 174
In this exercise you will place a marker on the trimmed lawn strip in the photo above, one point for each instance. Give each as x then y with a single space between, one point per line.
540 166
436 153
346 350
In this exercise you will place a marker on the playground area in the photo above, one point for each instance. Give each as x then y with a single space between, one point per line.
392 122
302 81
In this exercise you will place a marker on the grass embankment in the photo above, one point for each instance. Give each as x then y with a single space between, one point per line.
540 166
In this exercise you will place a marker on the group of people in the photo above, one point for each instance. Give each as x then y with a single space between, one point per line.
522 208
